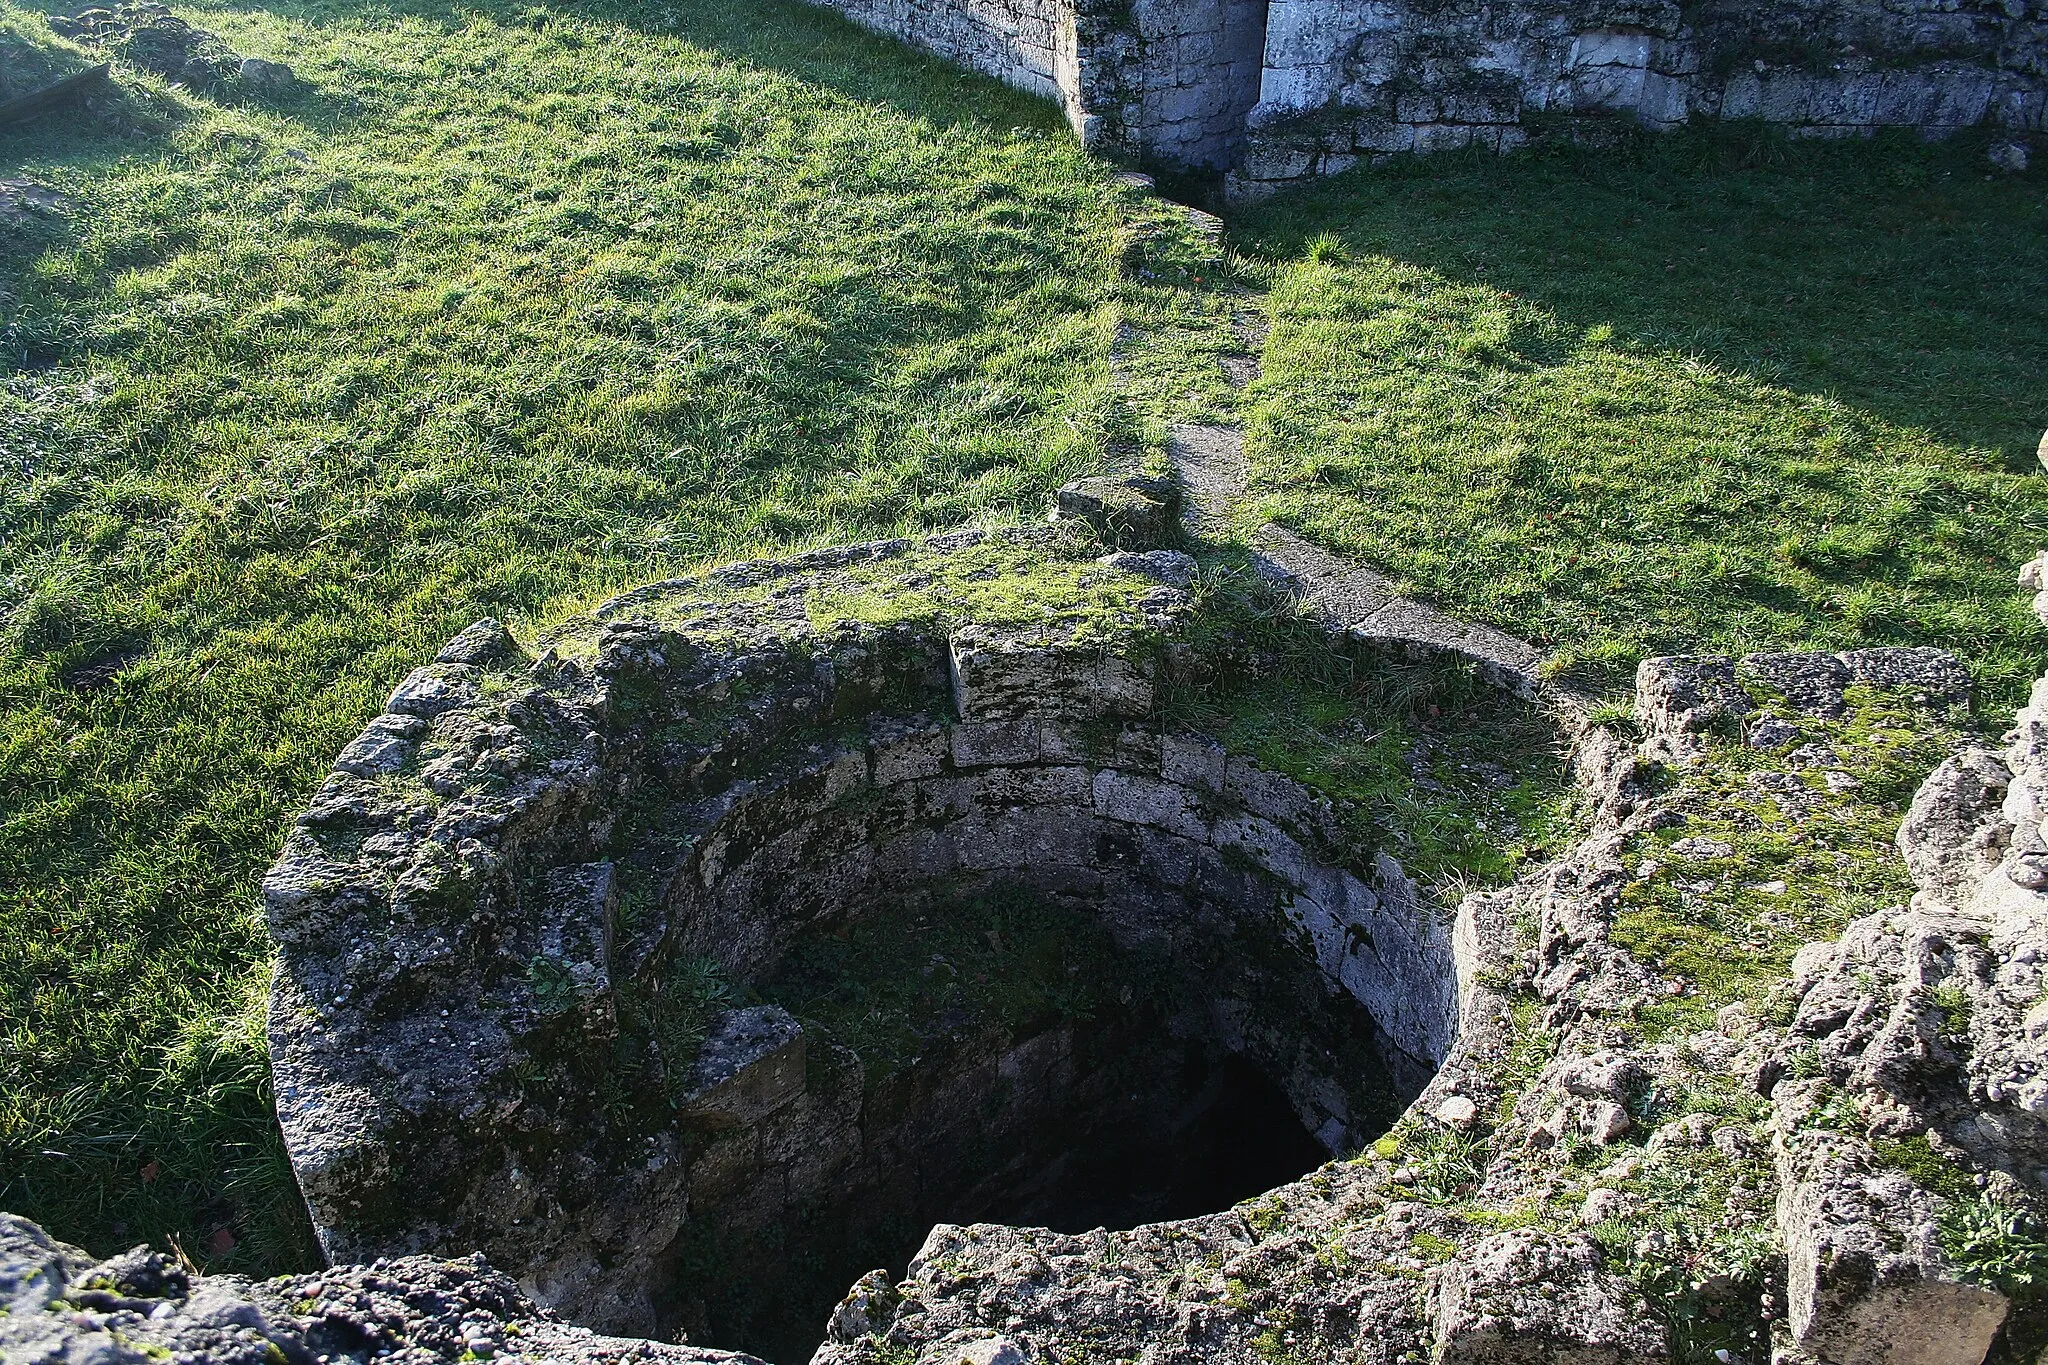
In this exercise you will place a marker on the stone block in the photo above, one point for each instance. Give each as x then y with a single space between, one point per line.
918 856
1865 1274
1383 135
979 744
906 757
386 744
1537 1298
1192 761
750 1066
1417 108
1132 510
1061 785
427 692
1621 49
1007 675
1138 800
1031 837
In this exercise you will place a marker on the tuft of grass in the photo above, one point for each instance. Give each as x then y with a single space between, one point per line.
1694 397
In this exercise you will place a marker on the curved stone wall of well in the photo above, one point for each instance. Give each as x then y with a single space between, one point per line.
1165 835
464 916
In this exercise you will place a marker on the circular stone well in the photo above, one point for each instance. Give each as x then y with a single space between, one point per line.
706 958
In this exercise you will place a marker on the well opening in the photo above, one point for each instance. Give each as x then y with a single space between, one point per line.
1018 971
699 960
995 1051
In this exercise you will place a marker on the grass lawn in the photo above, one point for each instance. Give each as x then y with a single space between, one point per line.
1727 391
516 305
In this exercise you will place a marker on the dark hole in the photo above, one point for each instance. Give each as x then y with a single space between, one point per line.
1171 1131
999 1058
1237 1136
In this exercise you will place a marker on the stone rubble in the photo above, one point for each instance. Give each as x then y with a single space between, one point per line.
59 1306
150 38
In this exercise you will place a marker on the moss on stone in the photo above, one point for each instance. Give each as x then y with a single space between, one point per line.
1777 848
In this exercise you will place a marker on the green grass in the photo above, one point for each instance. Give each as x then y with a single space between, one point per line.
518 305
1462 783
515 306
1725 391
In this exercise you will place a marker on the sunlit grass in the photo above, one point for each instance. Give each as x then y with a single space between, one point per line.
1727 392
513 306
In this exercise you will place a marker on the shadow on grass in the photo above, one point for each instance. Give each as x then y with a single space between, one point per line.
803 42
1893 276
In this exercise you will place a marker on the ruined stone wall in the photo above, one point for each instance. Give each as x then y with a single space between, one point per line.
479 915
1279 91
1355 80
1169 82
1029 44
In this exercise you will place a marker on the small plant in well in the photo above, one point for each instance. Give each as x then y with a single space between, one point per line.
554 989
689 1000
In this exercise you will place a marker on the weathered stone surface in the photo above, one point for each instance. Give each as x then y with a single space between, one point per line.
61 1307
750 1066
1867 1279
1527 1298
452 925
1919 1023
1130 510
1275 93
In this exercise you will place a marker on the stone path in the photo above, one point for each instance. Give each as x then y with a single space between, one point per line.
1348 597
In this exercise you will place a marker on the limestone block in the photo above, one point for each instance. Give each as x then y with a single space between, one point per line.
1955 833
1442 137
1385 135
973 1346
1624 49
902 756
1744 97
1133 510
1193 761
978 744
1033 837
1001 675
385 746
916 856
1533 1298
1608 87
427 692
1866 1279
750 1066
486 642
1266 159
1135 799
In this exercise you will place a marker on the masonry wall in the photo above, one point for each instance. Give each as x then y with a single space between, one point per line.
1352 80
1274 92
1030 44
